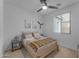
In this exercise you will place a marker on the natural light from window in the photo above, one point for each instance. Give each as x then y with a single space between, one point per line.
62 23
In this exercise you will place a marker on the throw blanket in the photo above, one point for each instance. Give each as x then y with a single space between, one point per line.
40 43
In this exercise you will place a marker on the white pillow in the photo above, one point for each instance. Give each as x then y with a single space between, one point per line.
37 35
42 37
28 36
30 39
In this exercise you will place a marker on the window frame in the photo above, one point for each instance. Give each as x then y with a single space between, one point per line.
61 22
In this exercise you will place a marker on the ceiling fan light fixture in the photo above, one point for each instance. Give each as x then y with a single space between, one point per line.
44 7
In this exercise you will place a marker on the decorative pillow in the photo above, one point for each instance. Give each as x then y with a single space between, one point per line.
37 35
31 39
29 36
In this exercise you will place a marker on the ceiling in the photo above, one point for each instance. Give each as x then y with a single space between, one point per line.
34 5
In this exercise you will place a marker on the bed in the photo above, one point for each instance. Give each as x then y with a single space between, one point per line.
39 46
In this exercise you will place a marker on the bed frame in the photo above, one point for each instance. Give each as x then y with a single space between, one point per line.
44 50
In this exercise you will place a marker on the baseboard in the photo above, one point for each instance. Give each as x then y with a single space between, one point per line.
68 48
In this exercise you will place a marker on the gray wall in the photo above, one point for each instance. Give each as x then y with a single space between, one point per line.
66 40
14 22
1 28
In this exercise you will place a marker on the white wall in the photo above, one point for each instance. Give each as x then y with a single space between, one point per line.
67 40
1 28
14 22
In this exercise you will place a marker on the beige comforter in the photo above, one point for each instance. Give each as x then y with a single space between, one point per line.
37 44
41 48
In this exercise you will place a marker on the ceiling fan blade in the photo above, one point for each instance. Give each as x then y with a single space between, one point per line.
45 3
54 7
39 10
42 1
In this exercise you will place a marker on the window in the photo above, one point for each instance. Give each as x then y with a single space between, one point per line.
62 23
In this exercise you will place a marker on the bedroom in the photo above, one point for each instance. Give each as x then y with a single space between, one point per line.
22 16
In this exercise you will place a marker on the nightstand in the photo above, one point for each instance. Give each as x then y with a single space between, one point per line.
16 44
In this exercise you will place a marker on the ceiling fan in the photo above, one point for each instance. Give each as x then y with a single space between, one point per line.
45 6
